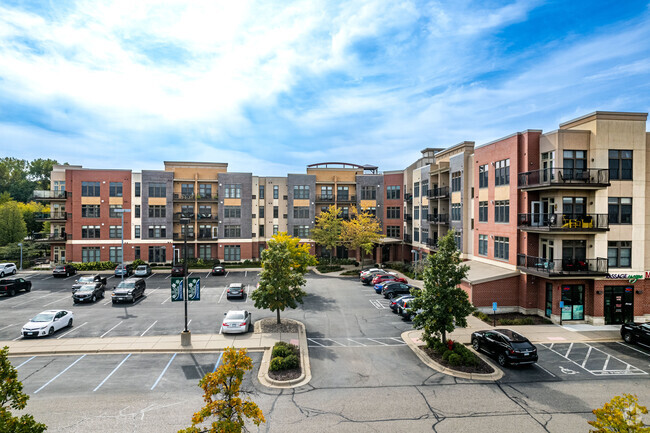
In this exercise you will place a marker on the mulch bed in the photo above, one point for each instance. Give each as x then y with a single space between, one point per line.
270 325
294 373
482 368
537 319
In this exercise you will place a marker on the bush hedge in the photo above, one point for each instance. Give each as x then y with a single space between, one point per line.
459 355
323 269
284 356
95 266
336 261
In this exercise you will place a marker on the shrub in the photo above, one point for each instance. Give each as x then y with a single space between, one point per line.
290 362
138 262
455 359
276 364
284 356
323 269
281 351
95 266
446 355
351 273
481 315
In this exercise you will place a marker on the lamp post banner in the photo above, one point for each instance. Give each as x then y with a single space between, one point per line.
177 288
193 289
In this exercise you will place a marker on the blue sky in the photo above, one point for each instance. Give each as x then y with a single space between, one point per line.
272 86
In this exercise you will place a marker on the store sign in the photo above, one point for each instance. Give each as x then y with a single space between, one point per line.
632 278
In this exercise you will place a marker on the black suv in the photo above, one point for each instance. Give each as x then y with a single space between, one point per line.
64 271
395 289
129 290
506 345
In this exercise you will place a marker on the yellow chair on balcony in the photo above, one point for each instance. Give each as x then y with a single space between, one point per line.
587 222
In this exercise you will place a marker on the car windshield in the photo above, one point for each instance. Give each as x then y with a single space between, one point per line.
521 345
235 316
126 285
87 288
43 317
59 268
142 268
86 279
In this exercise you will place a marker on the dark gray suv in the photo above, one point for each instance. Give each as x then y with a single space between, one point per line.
129 290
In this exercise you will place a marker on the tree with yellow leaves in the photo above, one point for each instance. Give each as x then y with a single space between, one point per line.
230 410
620 415
327 230
362 231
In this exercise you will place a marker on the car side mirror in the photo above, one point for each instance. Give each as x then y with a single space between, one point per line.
55 319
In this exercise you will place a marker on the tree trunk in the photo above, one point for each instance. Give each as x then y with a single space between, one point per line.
332 255
278 314
444 336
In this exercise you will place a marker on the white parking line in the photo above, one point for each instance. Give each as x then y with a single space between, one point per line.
568 350
587 359
384 344
17 338
168 276
111 373
102 336
227 272
356 342
149 276
25 362
207 276
222 293
168 298
163 372
218 362
47 278
633 348
58 300
74 329
314 341
5 327
54 378
189 275
539 366
32 300
151 326
334 341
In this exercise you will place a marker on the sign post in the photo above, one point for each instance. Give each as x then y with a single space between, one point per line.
561 311
494 312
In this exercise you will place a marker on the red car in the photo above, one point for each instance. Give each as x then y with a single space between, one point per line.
387 277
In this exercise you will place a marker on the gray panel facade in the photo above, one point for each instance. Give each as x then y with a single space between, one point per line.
246 220
376 181
457 163
157 176
297 180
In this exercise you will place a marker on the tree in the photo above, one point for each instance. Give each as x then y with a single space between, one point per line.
230 410
28 210
12 225
12 397
284 265
442 305
13 178
620 415
327 231
361 232
40 171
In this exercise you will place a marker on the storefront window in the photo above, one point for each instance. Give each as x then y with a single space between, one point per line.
573 297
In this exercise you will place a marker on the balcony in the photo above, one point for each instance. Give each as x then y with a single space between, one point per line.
432 243
179 215
408 239
408 197
346 198
181 236
441 218
564 178
49 195
408 218
207 237
442 192
205 217
563 223
184 197
559 268
325 198
51 216
207 198
49 237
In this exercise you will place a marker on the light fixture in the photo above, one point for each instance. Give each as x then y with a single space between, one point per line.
639 292
599 292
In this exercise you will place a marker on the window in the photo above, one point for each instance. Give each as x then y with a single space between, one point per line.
574 164
456 211
275 212
455 181
261 230
115 254
620 165
232 211
159 231
275 230
574 207
205 190
425 235
620 210
368 193
157 190
232 231
158 211
232 190
189 229
136 252
301 191
416 235
90 254
482 245
416 189
205 252
261 192
115 232
345 212
425 190
502 211
371 210
90 189
187 189
619 254
393 192
232 253
90 211
458 239
137 189
482 211
111 211
502 172
262 212
205 231
342 193
416 212
157 254
326 193
392 231
425 213
301 231
137 211
501 247
115 189
187 210
137 232
483 176
59 185
574 302
276 191
90 232
301 212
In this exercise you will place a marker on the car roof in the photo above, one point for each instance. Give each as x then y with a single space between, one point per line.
5 264
236 312
50 311
510 334
236 285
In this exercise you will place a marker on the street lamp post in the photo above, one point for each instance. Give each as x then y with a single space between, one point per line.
122 212
185 335
415 267
21 256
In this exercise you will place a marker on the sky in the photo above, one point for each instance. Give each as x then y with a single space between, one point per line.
272 86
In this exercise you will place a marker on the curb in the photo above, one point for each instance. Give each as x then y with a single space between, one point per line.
305 376
498 373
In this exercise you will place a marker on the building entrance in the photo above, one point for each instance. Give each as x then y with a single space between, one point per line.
619 304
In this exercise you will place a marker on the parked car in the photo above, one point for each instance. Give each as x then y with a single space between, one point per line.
142 271
218 270
395 289
129 290
368 270
88 279
235 289
236 321
380 278
11 286
178 271
125 270
507 346
367 278
88 293
636 332
64 271
380 286
397 303
7 269
47 323
406 311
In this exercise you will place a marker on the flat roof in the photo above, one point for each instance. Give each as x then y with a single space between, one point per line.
481 272
605 115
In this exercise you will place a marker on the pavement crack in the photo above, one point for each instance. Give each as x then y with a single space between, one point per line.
524 406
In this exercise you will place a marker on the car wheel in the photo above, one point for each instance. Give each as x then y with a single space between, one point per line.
502 360
628 337
93 299
51 331
28 289
2 273
70 322
12 292
476 344
14 272
75 301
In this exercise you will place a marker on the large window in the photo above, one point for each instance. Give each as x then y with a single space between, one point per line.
482 211
232 190
502 172
276 191
137 189
262 215
187 189
416 189
502 211
115 254
156 211
483 176
301 231
456 211
157 190
90 254
232 211
425 213
275 229
137 211
416 235
115 189
111 211
342 193
137 232
90 232
482 245
261 192
502 247
301 191
232 231
90 189
620 165
157 254
205 251
90 211
301 212
619 254
620 210
455 181
393 192
276 212
368 193
232 253
416 212
392 231
157 231
205 190
326 193
205 231
425 190
425 236
574 164
458 239
115 232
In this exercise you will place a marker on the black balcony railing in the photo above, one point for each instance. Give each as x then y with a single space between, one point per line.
179 215
49 237
562 267
565 177
408 196
207 237
50 216
344 198
206 216
408 238
50 195
562 222
207 197
439 218
432 243
181 236
325 198
182 197
441 192
408 218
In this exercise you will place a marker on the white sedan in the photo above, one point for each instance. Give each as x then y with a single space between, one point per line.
47 322
236 321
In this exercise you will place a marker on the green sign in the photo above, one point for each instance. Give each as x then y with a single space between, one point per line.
193 289
177 288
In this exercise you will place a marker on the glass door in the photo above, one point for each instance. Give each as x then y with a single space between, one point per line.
573 297
619 304
549 300
536 217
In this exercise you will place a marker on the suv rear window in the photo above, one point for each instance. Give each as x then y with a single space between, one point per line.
126 285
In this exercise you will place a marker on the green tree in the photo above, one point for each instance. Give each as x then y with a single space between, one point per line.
327 230
12 397
12 225
362 232
40 171
230 410
5 197
442 305
284 265
28 210
620 415
13 178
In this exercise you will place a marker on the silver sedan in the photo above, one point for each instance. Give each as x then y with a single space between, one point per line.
236 322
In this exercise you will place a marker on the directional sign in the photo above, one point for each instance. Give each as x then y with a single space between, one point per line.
177 288
494 306
193 289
